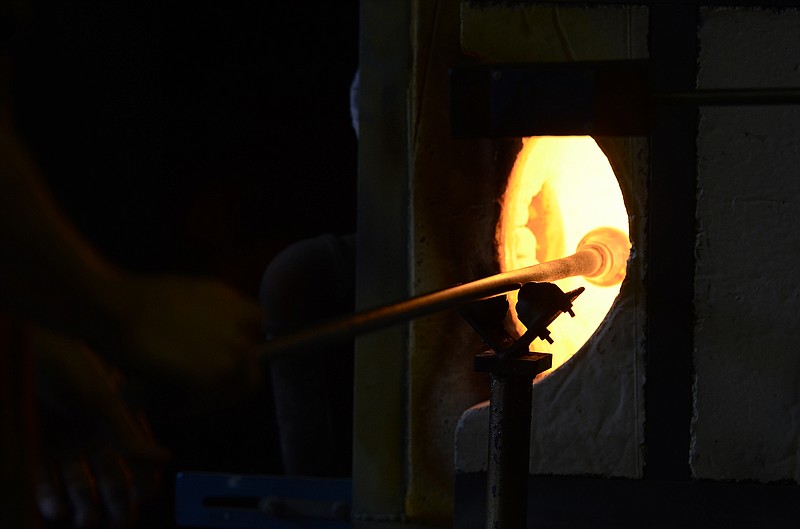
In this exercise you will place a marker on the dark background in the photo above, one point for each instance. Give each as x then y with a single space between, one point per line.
195 137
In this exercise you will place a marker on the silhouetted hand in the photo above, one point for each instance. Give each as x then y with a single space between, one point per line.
99 458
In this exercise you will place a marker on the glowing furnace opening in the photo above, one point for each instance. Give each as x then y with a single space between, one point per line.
560 189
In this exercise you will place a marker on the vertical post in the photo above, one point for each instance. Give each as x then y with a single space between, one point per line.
509 435
509 451
671 246
379 431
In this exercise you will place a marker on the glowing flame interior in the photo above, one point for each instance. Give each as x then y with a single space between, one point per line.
561 187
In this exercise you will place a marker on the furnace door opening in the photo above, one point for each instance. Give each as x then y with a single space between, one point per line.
560 189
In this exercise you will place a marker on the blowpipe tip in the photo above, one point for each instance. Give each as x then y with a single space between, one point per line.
614 248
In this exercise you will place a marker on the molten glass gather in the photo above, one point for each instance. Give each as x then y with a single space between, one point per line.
561 189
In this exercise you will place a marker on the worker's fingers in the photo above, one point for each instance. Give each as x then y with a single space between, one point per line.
113 482
146 479
131 435
80 490
145 483
50 495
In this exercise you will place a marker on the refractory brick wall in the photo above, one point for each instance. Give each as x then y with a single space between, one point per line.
747 342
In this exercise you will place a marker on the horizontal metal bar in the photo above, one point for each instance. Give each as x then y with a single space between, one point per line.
640 3
724 97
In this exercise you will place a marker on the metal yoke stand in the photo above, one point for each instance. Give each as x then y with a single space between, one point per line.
512 369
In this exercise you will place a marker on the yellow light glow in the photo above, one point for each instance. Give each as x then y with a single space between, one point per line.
561 188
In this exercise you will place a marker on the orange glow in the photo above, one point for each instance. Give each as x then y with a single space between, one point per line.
561 188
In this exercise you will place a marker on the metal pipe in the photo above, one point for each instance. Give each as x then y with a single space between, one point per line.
509 452
724 97
509 434
594 257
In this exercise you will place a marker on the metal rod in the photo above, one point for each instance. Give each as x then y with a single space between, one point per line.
723 97
584 262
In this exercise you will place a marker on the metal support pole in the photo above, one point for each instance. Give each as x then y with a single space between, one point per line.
510 433
512 369
509 436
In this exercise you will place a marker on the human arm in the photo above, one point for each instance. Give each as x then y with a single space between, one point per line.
194 332
47 269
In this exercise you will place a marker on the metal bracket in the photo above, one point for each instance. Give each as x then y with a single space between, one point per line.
538 305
